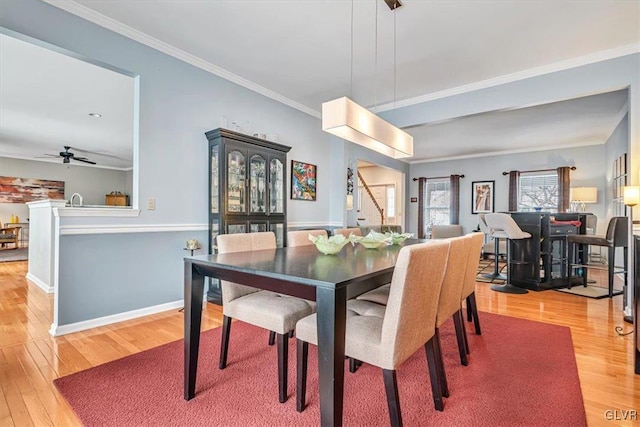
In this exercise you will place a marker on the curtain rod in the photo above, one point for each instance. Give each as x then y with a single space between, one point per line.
435 177
543 170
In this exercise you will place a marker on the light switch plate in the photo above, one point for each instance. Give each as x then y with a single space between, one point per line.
151 204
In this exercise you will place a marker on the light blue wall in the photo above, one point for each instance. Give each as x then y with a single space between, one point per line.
617 145
179 102
589 161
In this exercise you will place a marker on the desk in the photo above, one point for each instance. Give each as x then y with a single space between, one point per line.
302 272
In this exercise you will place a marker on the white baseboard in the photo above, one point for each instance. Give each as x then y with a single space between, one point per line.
56 330
39 283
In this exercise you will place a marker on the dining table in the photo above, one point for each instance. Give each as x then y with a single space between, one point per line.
300 271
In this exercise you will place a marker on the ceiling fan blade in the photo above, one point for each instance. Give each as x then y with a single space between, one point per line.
98 153
46 156
84 160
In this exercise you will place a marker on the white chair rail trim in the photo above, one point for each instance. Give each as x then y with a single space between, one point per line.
67 230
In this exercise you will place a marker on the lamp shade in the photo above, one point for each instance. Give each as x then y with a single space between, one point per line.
631 195
584 194
348 120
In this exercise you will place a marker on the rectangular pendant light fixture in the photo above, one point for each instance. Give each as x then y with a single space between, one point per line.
348 120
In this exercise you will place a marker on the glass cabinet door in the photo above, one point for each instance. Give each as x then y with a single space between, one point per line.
215 190
257 227
236 175
278 229
257 183
276 186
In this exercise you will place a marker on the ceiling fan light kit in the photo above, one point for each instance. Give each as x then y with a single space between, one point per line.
67 156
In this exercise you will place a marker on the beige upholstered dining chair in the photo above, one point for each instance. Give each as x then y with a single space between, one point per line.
269 310
469 286
346 232
449 302
446 231
407 325
301 237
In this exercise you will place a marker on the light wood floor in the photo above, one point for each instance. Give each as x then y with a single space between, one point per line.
30 359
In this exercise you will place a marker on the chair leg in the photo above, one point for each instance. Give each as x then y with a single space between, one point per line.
464 334
433 374
283 365
302 354
611 268
442 376
272 338
224 342
469 310
393 399
353 365
462 346
471 300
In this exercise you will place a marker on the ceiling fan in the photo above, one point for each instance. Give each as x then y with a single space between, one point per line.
67 156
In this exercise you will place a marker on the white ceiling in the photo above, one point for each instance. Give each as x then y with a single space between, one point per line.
44 108
299 52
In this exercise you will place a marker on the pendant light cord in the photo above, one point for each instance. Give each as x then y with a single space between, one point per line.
394 65
375 81
351 70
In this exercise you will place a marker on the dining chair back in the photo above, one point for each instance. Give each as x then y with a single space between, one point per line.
346 232
409 323
301 237
275 312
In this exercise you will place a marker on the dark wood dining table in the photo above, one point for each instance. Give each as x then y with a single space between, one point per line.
304 272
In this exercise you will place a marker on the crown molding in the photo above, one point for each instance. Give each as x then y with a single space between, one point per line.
122 29
520 75
507 152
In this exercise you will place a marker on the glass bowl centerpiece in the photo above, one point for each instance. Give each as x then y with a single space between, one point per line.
330 245
374 240
397 238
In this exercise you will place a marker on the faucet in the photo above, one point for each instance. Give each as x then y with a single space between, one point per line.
73 197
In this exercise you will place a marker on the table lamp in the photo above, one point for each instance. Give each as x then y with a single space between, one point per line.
583 195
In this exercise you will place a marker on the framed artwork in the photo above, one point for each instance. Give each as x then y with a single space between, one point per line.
23 190
303 181
482 197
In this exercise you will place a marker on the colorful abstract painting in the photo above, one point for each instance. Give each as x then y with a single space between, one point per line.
22 190
303 181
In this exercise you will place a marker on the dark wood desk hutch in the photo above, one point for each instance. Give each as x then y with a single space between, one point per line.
541 261
247 189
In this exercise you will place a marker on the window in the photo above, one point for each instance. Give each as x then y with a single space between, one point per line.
391 201
538 190
436 206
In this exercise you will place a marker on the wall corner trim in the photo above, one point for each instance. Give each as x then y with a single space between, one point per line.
39 283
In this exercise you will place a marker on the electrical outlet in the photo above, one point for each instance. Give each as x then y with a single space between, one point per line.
151 204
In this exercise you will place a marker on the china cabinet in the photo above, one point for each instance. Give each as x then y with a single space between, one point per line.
246 188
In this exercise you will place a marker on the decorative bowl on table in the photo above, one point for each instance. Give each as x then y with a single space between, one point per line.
329 245
374 240
397 238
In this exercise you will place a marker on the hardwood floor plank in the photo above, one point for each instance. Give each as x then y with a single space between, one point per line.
30 359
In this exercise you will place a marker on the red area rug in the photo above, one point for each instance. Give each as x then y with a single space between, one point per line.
520 373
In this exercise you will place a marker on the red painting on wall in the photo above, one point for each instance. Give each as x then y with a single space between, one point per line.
22 190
